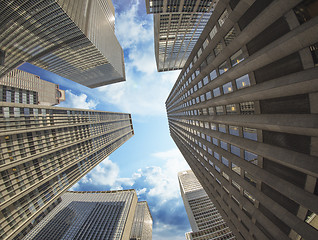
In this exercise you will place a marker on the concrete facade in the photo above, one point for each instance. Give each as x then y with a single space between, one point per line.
77 43
205 220
142 225
243 112
177 27
89 215
44 150
22 87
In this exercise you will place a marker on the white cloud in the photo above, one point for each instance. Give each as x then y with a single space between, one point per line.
77 101
141 191
131 29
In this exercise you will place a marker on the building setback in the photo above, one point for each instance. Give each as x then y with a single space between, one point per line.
74 39
142 225
177 27
89 215
22 87
44 151
243 112
205 220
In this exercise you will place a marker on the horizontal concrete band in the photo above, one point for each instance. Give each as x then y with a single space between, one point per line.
297 83
288 218
293 192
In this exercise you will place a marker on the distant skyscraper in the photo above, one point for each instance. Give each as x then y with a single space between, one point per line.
177 27
44 151
74 39
205 220
142 226
89 215
22 87
244 114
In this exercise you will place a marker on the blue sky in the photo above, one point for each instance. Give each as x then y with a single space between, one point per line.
149 161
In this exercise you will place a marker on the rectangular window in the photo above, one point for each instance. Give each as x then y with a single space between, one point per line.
208 95
205 80
216 92
235 150
223 17
223 68
234 130
236 58
243 82
213 75
225 161
218 49
216 155
215 141
223 145
250 133
230 36
219 110
236 169
231 109
222 128
213 32
227 88
250 157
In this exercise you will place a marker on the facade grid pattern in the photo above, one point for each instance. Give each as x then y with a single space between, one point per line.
247 123
44 151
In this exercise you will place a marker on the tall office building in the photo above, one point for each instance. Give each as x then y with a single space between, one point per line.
142 225
22 87
74 39
243 112
45 150
205 220
177 27
89 215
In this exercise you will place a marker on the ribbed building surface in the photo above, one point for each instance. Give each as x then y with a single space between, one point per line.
142 225
205 220
177 27
89 215
22 87
44 151
243 112
72 38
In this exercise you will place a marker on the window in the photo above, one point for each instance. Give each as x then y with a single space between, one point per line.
250 157
208 95
213 75
225 161
219 110
230 36
222 128
243 82
236 58
205 80
213 32
223 17
223 145
218 49
223 68
235 150
216 155
227 88
216 92
234 130
231 109
236 169
215 141
250 133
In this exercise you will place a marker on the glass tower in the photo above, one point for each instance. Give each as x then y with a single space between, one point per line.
74 39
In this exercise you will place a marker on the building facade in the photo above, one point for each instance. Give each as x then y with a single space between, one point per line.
205 220
89 215
142 225
44 151
23 87
77 43
243 112
177 27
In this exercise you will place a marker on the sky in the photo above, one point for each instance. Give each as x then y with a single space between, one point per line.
149 161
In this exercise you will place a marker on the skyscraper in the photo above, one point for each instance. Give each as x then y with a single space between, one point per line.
45 150
74 39
89 215
177 27
205 220
243 112
22 87
142 225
